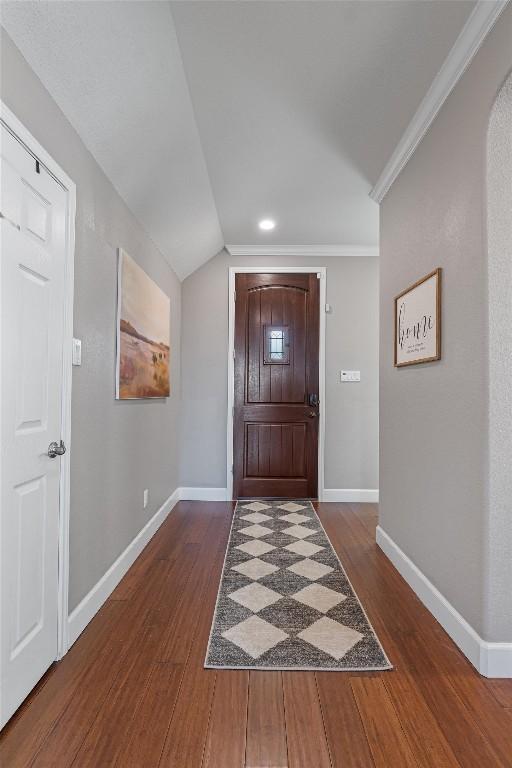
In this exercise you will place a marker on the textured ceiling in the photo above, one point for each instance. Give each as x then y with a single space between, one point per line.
115 70
300 104
249 109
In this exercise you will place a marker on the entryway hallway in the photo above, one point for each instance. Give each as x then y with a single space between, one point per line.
132 691
255 280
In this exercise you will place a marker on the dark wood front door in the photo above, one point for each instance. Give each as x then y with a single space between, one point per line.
275 432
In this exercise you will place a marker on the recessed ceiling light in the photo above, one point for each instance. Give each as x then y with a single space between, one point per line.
266 224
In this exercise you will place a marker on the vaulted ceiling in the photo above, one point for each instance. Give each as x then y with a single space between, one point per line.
208 116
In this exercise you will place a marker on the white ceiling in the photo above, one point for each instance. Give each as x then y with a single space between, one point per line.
300 104
115 70
282 109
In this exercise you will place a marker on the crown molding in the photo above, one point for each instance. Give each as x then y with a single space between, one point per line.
324 251
477 27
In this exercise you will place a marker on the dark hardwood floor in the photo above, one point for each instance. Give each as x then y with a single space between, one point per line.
132 691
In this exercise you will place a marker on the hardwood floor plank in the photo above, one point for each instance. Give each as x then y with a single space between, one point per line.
346 737
137 608
387 741
266 727
305 734
425 737
429 655
198 523
145 743
27 731
114 723
177 638
143 747
366 516
226 738
185 740
453 719
162 612
84 708
460 729
480 702
63 743
107 734
163 546
132 692
204 580
502 691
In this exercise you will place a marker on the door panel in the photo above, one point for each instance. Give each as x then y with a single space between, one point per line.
29 548
32 271
32 393
276 370
269 444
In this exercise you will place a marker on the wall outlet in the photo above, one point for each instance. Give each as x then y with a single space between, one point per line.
146 497
350 376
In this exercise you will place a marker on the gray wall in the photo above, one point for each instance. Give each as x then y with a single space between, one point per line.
499 231
435 417
117 448
351 448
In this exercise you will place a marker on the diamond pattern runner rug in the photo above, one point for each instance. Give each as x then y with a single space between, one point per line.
284 600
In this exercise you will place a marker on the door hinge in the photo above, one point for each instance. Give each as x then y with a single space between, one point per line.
234 295
234 354
232 469
233 411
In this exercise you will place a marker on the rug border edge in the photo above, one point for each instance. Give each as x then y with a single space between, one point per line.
301 669
217 599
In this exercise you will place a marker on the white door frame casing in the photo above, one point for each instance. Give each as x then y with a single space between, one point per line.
20 132
321 273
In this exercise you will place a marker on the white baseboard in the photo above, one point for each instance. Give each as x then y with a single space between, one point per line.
203 494
496 659
490 659
329 494
92 602
351 494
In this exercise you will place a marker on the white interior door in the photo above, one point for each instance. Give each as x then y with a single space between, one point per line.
32 284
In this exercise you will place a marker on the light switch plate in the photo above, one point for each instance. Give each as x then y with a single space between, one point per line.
350 376
77 352
146 497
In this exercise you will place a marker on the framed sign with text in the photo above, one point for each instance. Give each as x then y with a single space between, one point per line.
418 322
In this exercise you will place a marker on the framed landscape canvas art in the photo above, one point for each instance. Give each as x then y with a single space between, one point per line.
418 322
143 334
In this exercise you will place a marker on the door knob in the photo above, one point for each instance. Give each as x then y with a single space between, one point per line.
56 449
312 414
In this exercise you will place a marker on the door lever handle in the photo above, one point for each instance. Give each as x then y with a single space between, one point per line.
56 449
